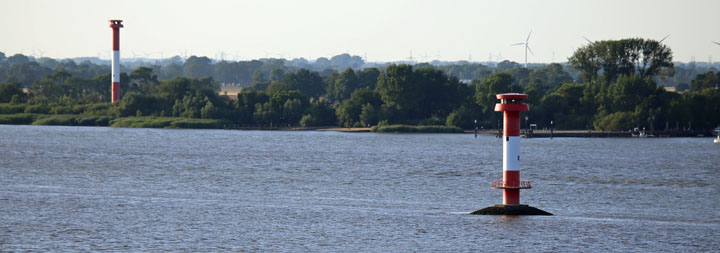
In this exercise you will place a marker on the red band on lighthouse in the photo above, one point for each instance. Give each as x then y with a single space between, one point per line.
512 179
116 39
511 123
115 91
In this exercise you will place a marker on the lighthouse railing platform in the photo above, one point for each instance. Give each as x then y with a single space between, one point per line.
500 184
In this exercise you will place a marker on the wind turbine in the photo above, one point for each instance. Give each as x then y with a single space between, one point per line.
527 47
281 54
147 55
236 56
664 38
710 57
183 53
588 40
106 53
40 52
411 59
424 57
220 55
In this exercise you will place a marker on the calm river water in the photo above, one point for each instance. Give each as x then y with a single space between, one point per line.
84 188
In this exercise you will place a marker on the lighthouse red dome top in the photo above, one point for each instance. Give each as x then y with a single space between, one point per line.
513 96
511 102
116 23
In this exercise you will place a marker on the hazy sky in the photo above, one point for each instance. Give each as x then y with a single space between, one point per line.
385 30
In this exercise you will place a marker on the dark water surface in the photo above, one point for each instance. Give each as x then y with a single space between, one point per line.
81 188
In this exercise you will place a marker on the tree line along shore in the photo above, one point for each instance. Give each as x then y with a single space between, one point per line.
606 85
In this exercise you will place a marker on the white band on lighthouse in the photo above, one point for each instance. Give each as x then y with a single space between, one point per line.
511 153
116 66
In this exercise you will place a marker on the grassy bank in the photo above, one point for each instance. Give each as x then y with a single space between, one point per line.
18 119
85 120
71 120
415 129
167 122
53 120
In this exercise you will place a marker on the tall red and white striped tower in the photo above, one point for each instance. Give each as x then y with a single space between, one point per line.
116 25
511 104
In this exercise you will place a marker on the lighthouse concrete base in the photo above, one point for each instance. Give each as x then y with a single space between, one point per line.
510 210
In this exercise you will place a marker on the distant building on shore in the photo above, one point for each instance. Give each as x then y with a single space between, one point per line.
231 92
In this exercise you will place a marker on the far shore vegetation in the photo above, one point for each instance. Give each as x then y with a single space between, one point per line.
415 129
606 85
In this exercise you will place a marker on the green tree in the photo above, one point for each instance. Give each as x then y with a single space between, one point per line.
265 114
628 92
461 117
646 58
277 109
521 76
198 67
171 71
705 108
343 85
308 83
348 113
3 60
398 89
705 81
487 90
292 110
226 72
276 87
368 77
8 90
18 59
343 61
209 111
245 106
506 65
52 86
318 114
142 79
442 93
565 107
368 115
133 102
615 121
181 87
277 74
550 76
24 74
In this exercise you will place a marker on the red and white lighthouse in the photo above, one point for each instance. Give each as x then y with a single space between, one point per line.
116 25
511 104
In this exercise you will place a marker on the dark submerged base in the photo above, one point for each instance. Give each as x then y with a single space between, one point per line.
510 210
